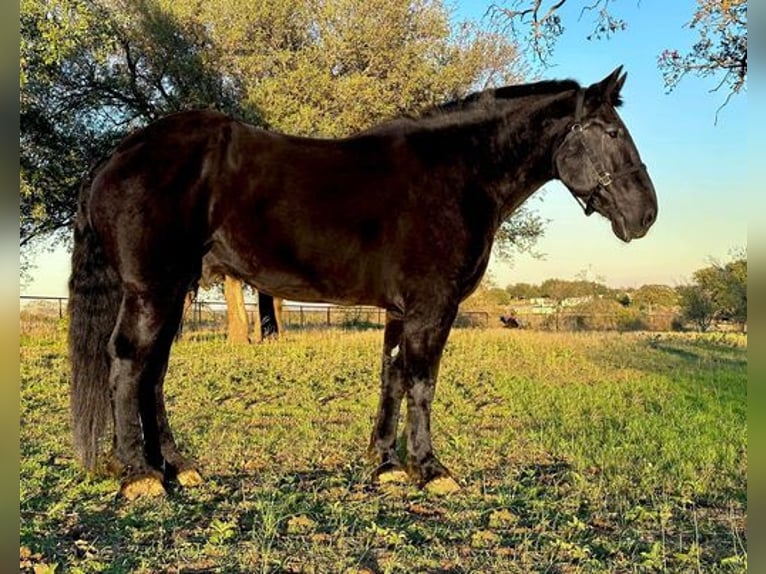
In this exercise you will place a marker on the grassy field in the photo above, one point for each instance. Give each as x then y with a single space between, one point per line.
576 452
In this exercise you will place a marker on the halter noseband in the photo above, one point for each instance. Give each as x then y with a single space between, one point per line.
604 178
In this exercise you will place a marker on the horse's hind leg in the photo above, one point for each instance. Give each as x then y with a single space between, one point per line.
139 349
177 466
383 441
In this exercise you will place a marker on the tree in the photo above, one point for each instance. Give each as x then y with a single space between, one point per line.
90 73
726 286
332 68
484 295
697 306
561 289
718 293
518 234
522 291
734 298
648 297
238 325
720 50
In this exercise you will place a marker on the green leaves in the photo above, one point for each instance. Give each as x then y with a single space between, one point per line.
719 293
91 72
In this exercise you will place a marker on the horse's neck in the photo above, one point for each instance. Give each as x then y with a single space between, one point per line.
511 156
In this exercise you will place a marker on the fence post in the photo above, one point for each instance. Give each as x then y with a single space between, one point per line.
328 316
61 313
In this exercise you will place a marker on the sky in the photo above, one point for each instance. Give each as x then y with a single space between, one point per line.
699 166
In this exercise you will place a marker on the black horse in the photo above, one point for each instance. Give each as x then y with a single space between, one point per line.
401 216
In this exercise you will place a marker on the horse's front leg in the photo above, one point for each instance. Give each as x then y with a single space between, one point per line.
383 440
425 334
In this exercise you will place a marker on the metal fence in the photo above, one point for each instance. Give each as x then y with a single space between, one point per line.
211 315
204 315
582 321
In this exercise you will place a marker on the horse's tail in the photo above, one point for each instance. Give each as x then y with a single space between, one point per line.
94 302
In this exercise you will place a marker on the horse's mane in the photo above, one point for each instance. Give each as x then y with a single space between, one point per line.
477 102
493 95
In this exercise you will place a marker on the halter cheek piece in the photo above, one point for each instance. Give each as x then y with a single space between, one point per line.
604 178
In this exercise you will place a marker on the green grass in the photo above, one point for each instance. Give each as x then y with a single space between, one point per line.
577 453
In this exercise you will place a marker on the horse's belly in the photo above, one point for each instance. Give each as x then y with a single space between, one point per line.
321 278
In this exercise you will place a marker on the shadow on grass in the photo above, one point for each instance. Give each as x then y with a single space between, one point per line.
658 354
515 478
701 350
258 505
82 536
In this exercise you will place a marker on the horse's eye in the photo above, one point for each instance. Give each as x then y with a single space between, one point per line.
613 131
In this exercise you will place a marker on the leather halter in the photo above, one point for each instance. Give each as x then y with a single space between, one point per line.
604 178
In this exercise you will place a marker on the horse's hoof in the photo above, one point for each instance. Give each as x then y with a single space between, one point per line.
442 485
393 476
147 484
189 477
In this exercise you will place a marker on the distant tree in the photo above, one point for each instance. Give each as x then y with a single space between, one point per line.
734 300
558 289
498 297
720 49
607 313
697 306
649 297
523 291
718 293
561 289
487 294
726 285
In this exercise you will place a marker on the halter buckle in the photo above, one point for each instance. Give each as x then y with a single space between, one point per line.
605 179
576 127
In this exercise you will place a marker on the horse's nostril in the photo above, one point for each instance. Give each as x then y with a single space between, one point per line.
649 217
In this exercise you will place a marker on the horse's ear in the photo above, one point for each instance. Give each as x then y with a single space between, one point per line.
620 83
608 89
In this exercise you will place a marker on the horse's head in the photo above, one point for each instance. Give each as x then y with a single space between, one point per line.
599 163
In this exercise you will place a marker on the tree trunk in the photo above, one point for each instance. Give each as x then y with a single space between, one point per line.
236 314
270 311
188 308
